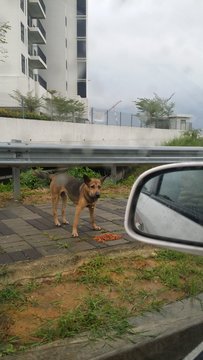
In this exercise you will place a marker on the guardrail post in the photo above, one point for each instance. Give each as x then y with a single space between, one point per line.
16 182
16 176
114 173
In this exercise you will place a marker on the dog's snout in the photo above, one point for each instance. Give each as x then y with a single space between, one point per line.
97 194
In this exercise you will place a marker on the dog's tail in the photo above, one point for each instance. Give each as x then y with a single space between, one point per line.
43 175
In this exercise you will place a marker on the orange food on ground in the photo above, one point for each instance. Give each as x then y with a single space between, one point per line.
107 237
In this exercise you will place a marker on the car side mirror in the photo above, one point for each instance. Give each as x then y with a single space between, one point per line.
165 207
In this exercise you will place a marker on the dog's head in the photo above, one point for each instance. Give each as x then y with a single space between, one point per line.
93 186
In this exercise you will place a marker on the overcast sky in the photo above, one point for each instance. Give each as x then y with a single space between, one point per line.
140 47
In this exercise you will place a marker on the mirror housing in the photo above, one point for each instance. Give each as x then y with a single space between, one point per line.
165 207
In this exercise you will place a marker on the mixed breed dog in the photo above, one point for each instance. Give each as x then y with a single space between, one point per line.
83 193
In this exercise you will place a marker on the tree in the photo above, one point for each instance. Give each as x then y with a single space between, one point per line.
63 108
3 31
157 108
29 102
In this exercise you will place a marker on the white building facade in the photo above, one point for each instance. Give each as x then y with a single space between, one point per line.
46 48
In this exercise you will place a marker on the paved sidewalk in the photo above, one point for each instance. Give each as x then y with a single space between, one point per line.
27 232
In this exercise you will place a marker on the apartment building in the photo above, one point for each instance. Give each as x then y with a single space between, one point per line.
46 48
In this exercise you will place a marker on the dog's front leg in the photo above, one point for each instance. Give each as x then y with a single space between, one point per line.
92 219
63 212
55 201
76 220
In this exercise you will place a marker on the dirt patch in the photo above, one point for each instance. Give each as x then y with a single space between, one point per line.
48 302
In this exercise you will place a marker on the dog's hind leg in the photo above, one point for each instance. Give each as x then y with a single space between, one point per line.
64 204
55 201
92 219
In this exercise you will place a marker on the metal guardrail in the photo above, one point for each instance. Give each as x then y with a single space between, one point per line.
46 155
18 155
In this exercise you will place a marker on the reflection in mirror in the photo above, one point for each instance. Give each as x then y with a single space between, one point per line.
170 205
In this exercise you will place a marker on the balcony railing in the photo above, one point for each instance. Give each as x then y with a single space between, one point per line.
37 33
37 9
37 59
42 82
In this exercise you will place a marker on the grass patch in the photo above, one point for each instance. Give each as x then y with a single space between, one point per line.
11 294
95 272
97 315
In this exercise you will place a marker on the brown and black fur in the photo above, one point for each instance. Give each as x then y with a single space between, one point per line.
83 193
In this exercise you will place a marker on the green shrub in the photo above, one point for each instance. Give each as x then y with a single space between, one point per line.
4 187
30 180
78 172
11 113
188 138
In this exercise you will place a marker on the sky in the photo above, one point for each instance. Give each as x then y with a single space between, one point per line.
140 47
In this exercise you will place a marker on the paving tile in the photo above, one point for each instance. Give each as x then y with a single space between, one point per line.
17 256
5 230
7 214
31 254
59 232
81 246
5 259
10 239
40 225
19 226
22 245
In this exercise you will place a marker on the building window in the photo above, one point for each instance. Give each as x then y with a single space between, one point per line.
81 70
81 48
81 7
81 28
23 64
22 5
82 89
22 29
66 21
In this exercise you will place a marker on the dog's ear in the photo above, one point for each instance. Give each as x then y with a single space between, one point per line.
86 179
103 178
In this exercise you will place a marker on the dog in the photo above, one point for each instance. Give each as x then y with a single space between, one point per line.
83 193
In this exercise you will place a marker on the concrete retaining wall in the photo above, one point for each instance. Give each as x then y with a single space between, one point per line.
74 133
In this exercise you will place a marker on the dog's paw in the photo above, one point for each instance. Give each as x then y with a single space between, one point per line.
58 224
75 234
65 222
96 228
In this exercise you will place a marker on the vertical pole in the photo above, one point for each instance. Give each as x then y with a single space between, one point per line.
120 118
16 183
92 115
107 117
114 173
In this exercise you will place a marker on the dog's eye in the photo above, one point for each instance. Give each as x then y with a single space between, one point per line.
92 186
99 186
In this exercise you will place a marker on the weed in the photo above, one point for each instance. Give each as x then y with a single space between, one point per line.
170 255
58 278
3 270
10 294
95 272
31 286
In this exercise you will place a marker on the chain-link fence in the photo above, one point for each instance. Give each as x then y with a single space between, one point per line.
114 117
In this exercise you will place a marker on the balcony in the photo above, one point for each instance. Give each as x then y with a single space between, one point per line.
37 9
42 82
37 59
36 32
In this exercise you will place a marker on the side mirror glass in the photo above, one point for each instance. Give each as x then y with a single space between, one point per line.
166 205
